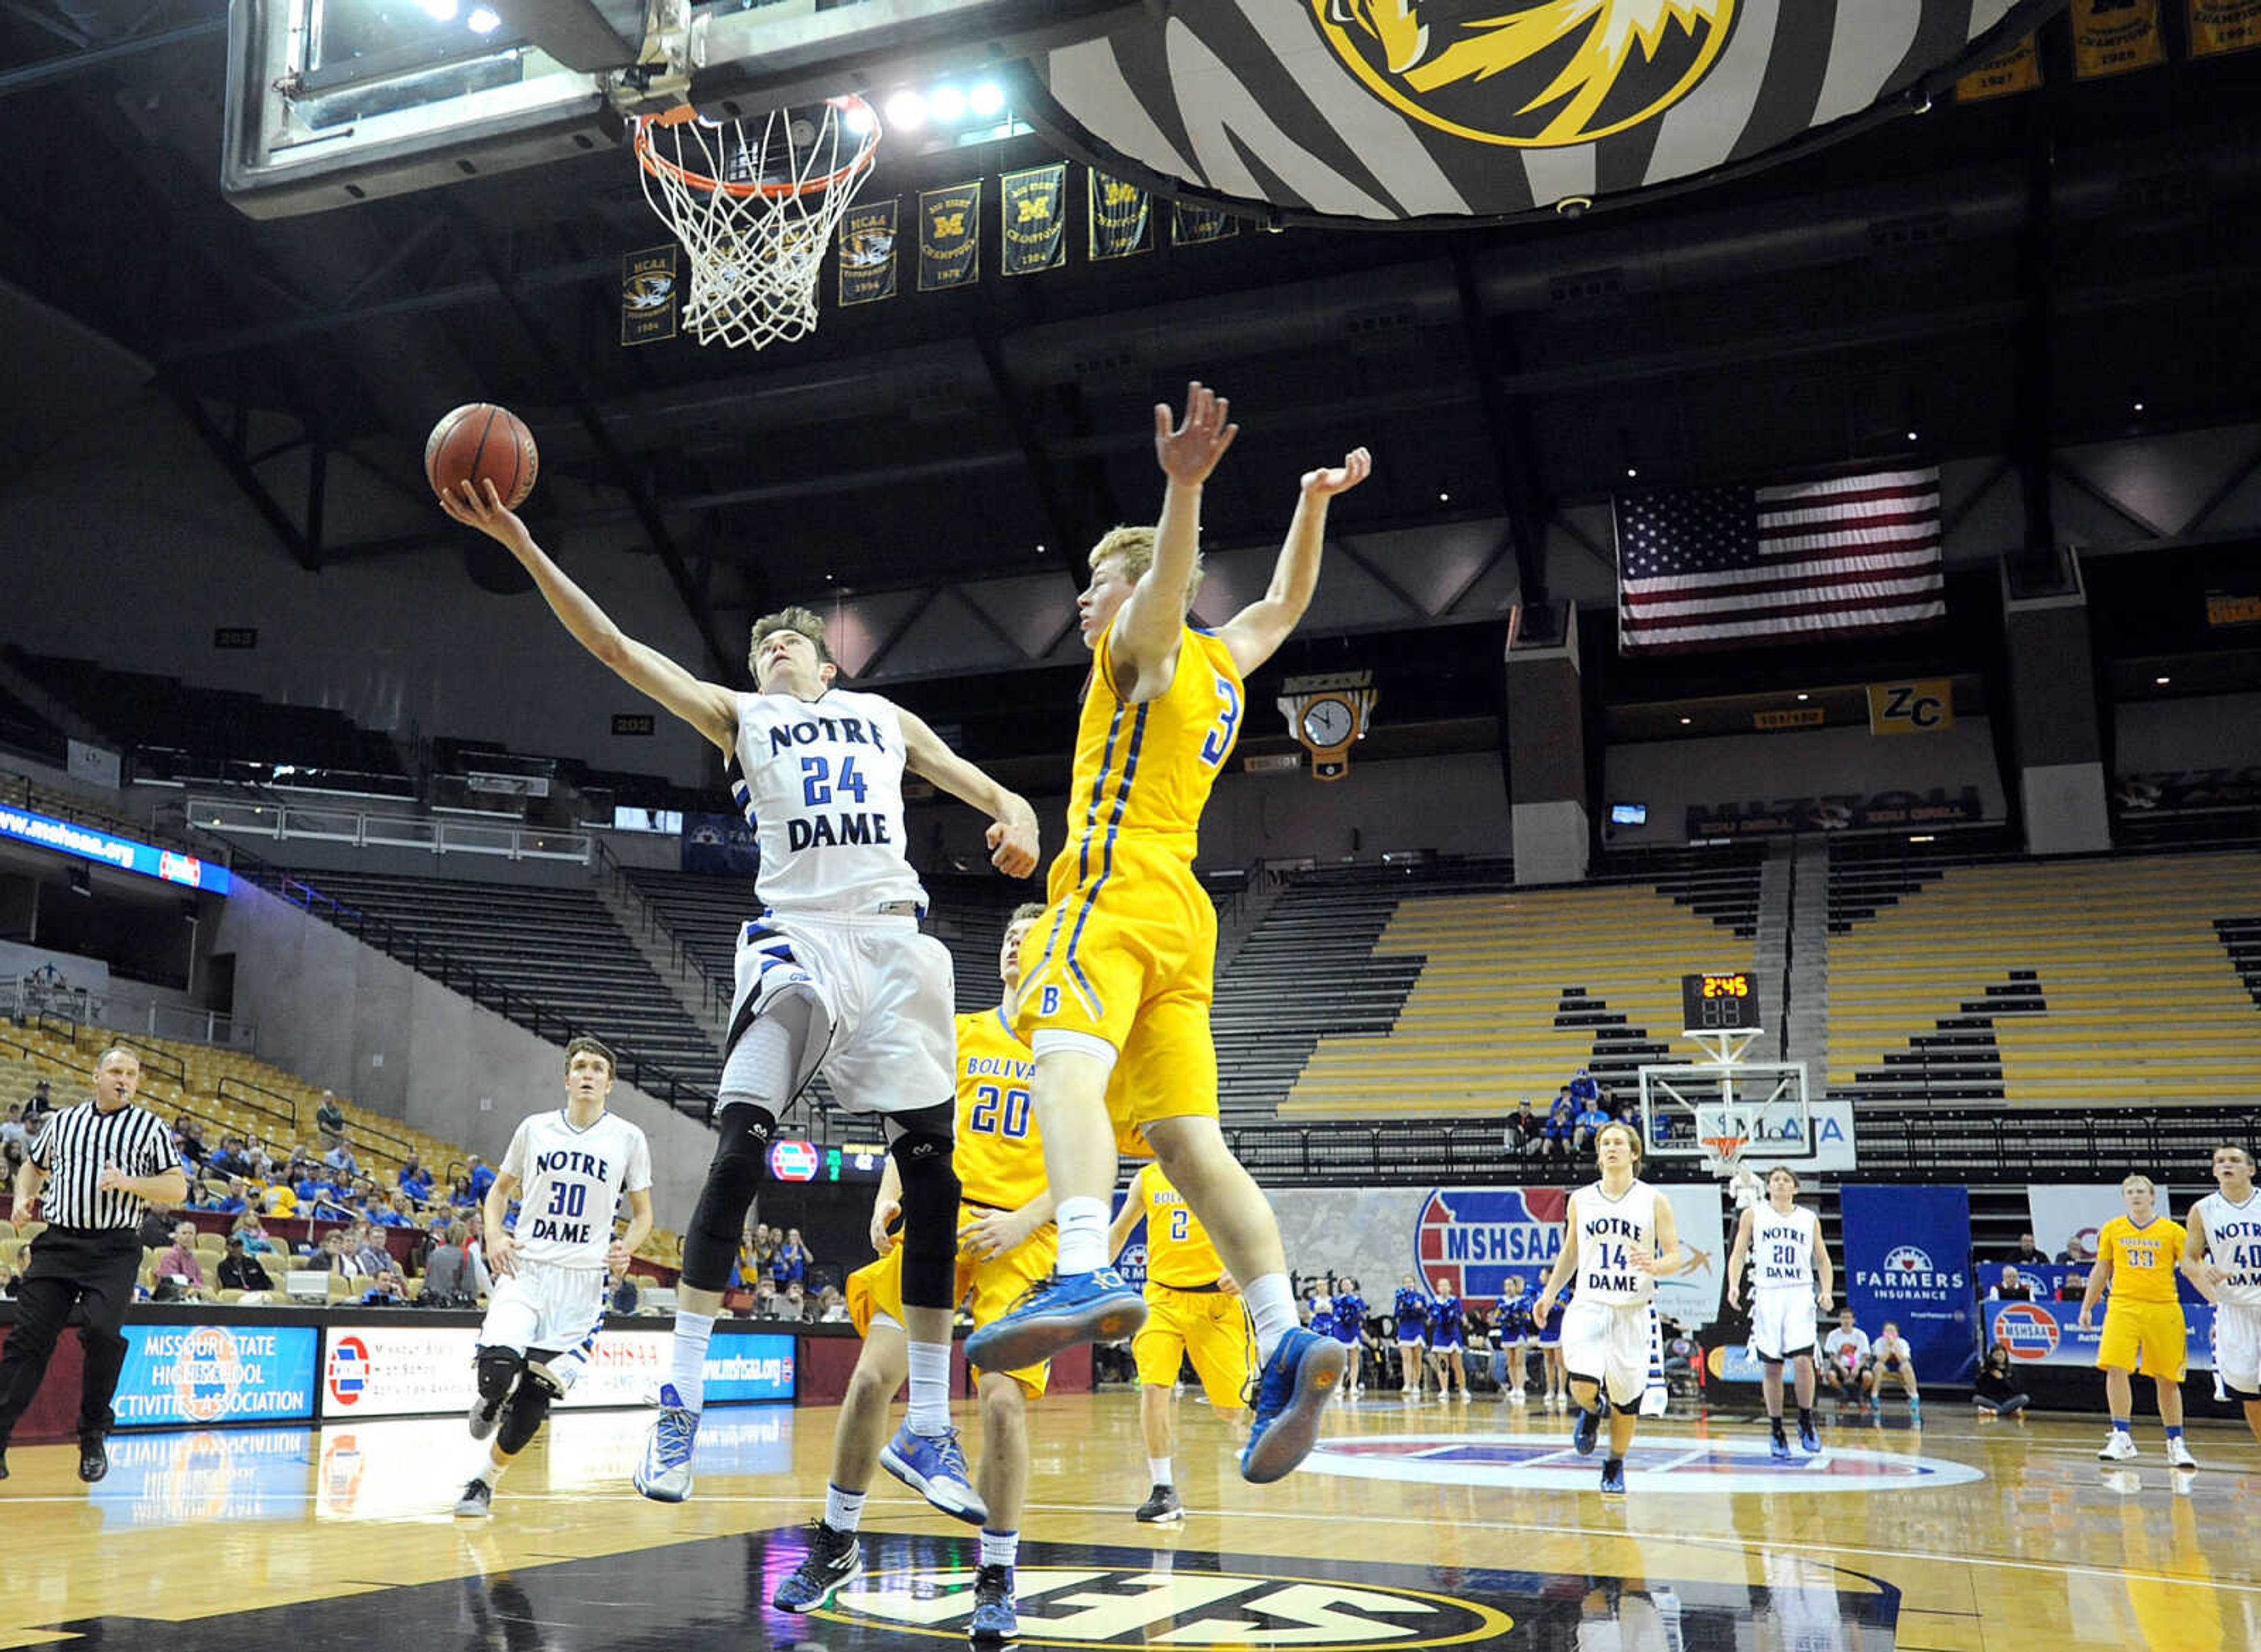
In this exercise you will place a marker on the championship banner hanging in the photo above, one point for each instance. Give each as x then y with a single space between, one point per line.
950 236
1122 216
2018 70
1033 205
1327 713
867 252
2111 37
2224 25
1197 226
650 296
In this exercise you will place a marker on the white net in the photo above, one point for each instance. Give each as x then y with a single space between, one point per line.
755 203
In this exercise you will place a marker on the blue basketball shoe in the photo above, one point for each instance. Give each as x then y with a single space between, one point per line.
1297 1382
934 1466
1056 1315
664 1473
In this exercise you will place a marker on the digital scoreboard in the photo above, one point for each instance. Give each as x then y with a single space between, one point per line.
1719 1001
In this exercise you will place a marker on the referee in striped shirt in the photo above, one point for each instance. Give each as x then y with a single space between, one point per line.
102 1166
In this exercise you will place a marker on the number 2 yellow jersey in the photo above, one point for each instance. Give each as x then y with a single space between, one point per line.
1000 1156
2143 1259
1178 1248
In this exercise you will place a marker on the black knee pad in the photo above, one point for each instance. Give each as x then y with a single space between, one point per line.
930 1189
522 1419
741 1158
499 1370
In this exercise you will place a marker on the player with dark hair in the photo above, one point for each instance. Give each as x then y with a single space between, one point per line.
1792 1270
834 974
569 1172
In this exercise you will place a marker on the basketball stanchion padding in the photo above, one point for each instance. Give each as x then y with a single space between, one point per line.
755 202
480 442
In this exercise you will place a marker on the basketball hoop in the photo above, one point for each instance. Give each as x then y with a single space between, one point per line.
1722 1153
755 203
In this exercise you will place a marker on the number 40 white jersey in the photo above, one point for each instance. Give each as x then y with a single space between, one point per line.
570 1184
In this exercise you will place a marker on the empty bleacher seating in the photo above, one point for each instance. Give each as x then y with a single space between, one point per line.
2121 979
22 729
202 731
557 950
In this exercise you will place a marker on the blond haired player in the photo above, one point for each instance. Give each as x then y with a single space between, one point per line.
2137 1256
1121 969
1193 1312
1005 1245
2222 1256
1619 1238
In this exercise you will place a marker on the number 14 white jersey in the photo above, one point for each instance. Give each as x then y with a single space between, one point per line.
1609 1231
570 1184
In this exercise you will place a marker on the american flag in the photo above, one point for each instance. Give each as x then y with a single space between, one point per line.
1710 567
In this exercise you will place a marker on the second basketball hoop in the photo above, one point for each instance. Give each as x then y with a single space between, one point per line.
755 202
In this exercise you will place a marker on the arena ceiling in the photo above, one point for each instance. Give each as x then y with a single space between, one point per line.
1999 278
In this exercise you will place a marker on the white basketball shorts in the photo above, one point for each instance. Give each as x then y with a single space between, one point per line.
1607 1342
888 994
557 1309
1782 1324
2237 1351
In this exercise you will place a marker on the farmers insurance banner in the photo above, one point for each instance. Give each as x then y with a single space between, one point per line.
1473 1240
1907 1258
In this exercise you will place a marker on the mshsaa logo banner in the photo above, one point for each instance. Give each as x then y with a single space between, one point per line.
186 1375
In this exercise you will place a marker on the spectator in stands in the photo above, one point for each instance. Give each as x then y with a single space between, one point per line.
229 1159
341 1163
224 1198
482 1177
1562 1125
767 1303
797 1305
330 1118
2077 1254
386 1287
790 1266
447 1268
622 1292
180 1262
332 1257
321 1199
1994 1391
37 1105
1584 1092
1844 1357
240 1270
2029 1254
2011 1287
1522 1131
370 1254
156 1229
188 1142
831 1306
759 1252
416 1181
279 1200
255 1242
1590 1122
13 1157
13 1132
460 1195
395 1212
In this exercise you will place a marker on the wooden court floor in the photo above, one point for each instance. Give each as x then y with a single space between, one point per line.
1467 1524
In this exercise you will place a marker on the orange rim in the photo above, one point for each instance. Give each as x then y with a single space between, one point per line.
682 114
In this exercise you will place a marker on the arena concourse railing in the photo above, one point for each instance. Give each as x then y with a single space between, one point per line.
1896 1144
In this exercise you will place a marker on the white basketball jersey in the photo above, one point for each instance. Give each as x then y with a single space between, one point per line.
1609 1231
570 1184
1781 1248
822 784
2233 1244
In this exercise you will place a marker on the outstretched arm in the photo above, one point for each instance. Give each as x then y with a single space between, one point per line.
1255 633
708 708
1145 633
1012 835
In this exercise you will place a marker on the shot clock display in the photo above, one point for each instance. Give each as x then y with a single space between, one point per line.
1720 1002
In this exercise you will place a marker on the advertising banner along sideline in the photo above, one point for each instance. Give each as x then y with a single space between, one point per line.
2048 1332
407 1370
1907 1259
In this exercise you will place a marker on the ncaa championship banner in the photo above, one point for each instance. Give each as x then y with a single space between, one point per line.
186 1375
1907 1258
1471 1240
407 1370
2049 1332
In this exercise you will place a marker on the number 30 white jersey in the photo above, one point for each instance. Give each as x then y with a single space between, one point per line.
570 1184
822 784
1608 1229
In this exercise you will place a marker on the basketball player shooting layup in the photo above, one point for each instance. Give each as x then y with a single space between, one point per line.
1621 1238
834 973
1787 1237
1122 968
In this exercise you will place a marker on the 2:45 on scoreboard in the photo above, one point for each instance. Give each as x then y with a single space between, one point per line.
1719 1001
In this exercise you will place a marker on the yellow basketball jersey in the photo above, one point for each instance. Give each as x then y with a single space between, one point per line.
2143 1258
1000 1156
1178 1248
1142 772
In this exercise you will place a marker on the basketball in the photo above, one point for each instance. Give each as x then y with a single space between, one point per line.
482 443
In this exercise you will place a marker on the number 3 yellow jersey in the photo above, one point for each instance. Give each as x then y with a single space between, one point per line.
1178 1248
2143 1258
1000 1156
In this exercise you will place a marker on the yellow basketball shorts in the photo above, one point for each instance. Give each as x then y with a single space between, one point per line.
1128 956
1210 1326
996 1282
2146 1336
